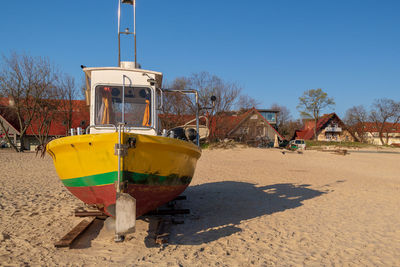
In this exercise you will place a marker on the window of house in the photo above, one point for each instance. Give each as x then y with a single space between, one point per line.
269 116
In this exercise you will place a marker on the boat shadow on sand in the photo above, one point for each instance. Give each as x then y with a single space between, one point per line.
217 209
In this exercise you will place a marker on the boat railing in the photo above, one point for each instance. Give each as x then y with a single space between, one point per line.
185 91
98 127
129 128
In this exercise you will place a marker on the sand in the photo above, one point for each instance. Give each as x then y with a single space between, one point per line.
248 207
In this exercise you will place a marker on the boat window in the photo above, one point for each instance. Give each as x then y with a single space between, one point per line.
108 106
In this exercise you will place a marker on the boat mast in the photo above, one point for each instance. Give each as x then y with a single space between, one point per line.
127 32
134 28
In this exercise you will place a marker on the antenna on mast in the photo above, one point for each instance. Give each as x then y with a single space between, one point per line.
127 32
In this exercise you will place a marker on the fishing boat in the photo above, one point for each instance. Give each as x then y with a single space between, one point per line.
124 163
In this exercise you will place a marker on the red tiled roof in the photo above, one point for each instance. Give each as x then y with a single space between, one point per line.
179 119
222 124
254 110
80 118
389 127
80 114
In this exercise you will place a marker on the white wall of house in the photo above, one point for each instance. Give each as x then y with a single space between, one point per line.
338 135
373 138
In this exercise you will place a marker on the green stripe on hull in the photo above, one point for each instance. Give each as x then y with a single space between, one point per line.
92 180
131 177
154 179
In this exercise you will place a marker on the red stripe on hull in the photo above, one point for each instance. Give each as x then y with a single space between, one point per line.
102 195
148 197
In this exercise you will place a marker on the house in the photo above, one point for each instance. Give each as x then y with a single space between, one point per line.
329 128
390 135
249 126
9 129
254 128
56 127
270 115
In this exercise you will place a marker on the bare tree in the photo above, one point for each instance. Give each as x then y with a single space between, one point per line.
47 111
57 105
246 102
385 114
312 102
355 120
284 120
26 81
291 128
43 119
177 103
81 92
67 92
226 95
209 85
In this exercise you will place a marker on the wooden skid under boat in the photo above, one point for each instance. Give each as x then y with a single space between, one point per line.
155 169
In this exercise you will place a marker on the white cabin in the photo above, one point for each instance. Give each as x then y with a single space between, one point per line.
104 94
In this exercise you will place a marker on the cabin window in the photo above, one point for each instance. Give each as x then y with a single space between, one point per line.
108 106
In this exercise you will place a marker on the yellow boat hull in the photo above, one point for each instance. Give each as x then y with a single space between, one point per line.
155 169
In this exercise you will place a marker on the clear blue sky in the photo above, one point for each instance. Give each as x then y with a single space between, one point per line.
274 49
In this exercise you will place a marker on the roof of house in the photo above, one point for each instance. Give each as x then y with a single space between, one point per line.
388 127
222 124
7 126
268 110
248 114
307 132
80 113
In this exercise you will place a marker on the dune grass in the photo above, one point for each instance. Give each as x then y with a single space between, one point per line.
314 144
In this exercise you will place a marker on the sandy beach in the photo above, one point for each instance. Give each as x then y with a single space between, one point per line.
248 207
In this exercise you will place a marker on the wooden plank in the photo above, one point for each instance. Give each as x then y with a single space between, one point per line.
67 240
163 231
86 213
